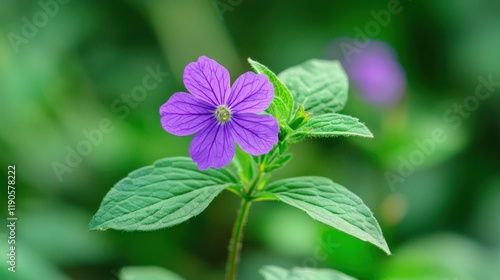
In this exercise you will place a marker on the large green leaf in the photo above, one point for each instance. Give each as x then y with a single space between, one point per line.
164 194
272 272
331 204
331 124
147 273
319 85
282 105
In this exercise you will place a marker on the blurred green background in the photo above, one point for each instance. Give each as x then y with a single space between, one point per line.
70 69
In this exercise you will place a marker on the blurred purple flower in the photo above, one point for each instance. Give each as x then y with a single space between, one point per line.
219 115
373 68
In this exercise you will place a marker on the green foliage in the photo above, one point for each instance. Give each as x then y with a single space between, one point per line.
457 258
147 272
279 162
164 194
318 89
331 124
282 105
331 204
174 190
302 273
69 76
244 165
318 85
301 118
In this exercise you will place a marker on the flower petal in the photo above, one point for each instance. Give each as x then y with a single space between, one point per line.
255 134
213 146
184 114
251 93
207 80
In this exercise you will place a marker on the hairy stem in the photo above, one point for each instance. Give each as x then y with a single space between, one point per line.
255 182
236 237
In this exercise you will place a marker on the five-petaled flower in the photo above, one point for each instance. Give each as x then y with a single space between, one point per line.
219 114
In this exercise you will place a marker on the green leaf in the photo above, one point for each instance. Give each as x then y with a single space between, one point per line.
331 124
282 105
301 118
167 193
279 162
331 204
272 272
245 165
147 272
319 85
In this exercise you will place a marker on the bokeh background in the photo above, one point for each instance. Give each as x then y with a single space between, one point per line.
77 68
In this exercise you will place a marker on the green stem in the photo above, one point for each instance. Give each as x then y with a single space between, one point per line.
236 237
255 182
239 225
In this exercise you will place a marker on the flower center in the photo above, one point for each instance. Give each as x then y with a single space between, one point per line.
222 114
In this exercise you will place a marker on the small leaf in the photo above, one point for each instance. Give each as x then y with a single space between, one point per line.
331 204
331 124
319 85
147 272
245 165
301 118
272 272
280 161
167 193
279 110
282 105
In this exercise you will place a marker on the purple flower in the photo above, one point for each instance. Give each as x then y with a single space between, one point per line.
374 69
219 115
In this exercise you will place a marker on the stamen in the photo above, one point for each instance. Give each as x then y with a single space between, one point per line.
222 114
